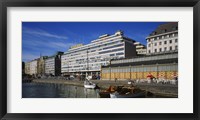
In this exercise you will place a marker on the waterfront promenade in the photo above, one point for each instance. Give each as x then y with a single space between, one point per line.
163 90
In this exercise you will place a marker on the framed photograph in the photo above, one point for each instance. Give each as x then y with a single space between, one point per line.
99 59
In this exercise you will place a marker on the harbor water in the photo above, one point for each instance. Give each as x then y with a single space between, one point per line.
45 90
52 90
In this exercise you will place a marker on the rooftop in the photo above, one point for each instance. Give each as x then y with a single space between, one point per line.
164 28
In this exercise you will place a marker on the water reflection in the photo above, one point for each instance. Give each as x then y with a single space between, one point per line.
40 90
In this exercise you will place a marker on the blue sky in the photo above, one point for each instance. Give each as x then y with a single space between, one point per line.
46 38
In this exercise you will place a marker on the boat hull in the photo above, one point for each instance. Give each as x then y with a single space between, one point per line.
90 86
104 94
134 95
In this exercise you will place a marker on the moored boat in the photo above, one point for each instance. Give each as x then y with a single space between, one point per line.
111 89
128 93
89 85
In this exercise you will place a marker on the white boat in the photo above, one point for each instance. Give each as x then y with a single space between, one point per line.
89 85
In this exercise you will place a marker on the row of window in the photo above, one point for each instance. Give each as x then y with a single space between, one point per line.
163 37
165 49
113 46
118 45
79 69
114 50
97 46
165 42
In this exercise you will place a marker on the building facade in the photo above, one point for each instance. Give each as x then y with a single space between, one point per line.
27 68
164 66
164 38
53 64
140 48
33 67
88 59
41 66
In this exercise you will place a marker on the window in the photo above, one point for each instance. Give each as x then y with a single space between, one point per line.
149 51
155 50
165 49
160 50
119 53
173 28
170 48
149 45
170 41
160 43
176 40
164 30
176 47
165 42
155 44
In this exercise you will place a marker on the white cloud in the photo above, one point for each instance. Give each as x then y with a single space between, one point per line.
42 33
60 44
50 44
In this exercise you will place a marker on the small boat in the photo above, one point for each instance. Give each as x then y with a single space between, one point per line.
111 89
128 93
106 93
89 85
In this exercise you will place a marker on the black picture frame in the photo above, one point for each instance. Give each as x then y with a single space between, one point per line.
98 3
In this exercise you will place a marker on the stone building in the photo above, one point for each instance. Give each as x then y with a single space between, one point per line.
163 39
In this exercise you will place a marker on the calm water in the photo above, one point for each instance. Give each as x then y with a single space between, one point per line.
39 90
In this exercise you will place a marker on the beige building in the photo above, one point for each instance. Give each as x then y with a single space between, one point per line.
27 68
41 65
33 67
140 48
164 38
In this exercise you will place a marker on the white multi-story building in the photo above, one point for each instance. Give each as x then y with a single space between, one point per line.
164 38
53 64
50 66
89 58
